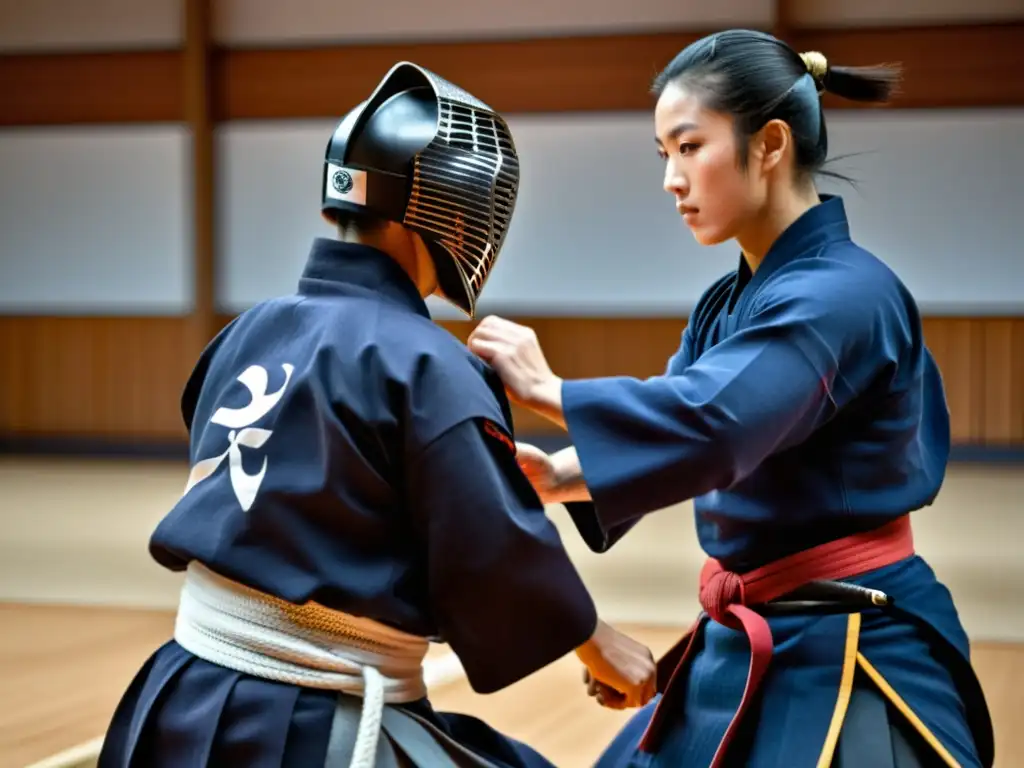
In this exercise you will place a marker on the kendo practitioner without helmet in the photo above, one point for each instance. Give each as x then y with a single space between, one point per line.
805 417
354 492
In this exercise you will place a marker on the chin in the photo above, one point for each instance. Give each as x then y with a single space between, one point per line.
708 236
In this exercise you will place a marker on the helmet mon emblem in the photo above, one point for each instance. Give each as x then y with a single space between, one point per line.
342 181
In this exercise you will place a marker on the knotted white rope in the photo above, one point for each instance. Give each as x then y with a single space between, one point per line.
240 628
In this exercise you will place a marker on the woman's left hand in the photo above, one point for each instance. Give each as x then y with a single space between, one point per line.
515 354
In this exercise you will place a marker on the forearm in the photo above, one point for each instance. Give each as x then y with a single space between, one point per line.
569 482
545 400
591 649
570 488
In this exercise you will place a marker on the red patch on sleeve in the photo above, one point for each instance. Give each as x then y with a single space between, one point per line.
496 432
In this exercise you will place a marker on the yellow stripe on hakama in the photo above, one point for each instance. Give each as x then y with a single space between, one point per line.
897 701
845 690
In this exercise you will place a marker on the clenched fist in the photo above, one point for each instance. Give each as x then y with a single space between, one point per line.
620 672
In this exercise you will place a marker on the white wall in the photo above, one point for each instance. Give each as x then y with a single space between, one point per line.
594 233
95 220
37 26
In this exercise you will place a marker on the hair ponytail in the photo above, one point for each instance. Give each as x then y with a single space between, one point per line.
875 84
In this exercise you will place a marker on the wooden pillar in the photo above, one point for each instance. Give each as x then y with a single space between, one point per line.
782 21
198 101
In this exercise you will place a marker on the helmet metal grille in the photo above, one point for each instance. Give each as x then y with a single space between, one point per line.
464 189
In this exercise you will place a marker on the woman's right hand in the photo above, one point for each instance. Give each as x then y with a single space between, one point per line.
620 672
557 478
539 470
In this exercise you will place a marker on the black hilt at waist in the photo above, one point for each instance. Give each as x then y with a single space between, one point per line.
825 597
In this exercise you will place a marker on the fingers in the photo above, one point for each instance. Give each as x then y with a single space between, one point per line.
491 350
530 451
533 461
488 329
493 328
622 694
485 349
604 694
497 324
611 699
651 690
643 692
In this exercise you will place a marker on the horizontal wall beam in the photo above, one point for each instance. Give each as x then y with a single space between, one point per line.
76 88
946 67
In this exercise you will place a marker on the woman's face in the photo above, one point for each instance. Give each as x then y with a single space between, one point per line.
713 194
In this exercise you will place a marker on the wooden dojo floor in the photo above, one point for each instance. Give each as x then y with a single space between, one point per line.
63 669
73 556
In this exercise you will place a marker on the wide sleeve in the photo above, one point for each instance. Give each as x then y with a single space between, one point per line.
591 528
647 444
505 594
583 513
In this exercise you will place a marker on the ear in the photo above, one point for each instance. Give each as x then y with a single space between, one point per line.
775 140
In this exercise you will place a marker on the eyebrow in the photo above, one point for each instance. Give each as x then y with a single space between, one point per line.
676 131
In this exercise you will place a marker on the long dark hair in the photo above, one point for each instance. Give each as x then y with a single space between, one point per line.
756 78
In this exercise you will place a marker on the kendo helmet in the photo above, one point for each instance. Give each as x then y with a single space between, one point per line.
426 154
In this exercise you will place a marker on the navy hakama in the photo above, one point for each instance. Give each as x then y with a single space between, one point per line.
182 711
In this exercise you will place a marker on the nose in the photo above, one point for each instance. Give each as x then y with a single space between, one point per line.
675 182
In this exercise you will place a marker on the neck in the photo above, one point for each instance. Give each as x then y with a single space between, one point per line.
777 216
401 246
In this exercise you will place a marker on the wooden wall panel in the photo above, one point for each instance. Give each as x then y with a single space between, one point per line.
981 364
946 66
958 346
83 88
544 75
110 378
121 378
609 72
1003 388
949 66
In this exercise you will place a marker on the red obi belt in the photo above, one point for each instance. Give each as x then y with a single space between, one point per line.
725 597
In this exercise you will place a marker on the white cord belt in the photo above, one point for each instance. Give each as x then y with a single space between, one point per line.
229 624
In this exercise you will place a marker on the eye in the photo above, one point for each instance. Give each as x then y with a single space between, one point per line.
687 147
662 154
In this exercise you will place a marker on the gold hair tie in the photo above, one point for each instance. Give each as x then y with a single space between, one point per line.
817 66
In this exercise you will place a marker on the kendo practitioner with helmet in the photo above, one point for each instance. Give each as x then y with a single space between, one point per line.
354 490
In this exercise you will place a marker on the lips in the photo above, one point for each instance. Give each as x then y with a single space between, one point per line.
685 209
